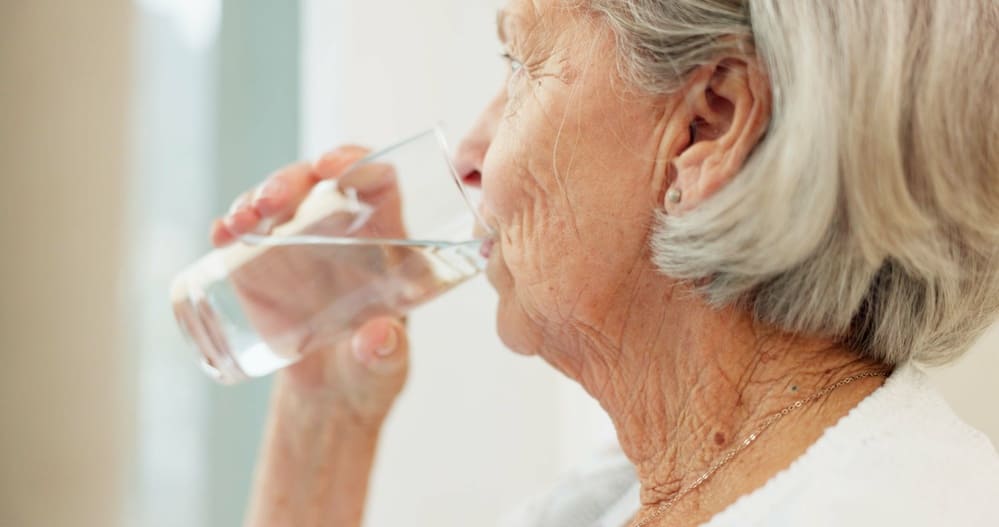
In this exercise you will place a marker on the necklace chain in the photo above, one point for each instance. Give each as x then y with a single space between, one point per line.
751 438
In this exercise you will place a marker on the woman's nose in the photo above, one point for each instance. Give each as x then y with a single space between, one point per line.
471 154
468 161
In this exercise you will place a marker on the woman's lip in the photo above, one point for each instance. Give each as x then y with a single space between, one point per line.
487 248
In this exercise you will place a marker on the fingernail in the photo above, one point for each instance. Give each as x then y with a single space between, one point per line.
387 347
230 221
273 189
375 179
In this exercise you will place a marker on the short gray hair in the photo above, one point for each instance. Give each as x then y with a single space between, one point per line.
870 210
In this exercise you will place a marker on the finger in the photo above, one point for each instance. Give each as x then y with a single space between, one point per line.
381 344
241 202
333 164
369 179
221 235
283 191
242 221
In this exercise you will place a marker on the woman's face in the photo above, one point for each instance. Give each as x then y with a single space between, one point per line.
570 179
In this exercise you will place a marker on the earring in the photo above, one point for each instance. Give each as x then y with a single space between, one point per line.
674 195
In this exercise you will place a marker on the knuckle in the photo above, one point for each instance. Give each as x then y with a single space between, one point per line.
339 158
290 171
241 201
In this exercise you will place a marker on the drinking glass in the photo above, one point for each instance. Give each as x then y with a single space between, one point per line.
275 296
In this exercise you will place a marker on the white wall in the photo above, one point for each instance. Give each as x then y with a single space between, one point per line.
972 385
478 428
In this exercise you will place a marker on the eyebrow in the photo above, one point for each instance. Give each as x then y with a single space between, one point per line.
501 17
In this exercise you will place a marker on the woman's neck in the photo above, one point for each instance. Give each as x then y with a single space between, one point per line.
687 384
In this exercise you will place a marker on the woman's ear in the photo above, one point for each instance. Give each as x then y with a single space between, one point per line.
727 113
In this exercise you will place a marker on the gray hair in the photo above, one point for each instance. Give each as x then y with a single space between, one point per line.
870 210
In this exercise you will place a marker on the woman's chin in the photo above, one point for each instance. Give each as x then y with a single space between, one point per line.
519 350
511 322
510 327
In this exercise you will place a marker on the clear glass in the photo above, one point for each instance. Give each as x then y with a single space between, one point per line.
346 256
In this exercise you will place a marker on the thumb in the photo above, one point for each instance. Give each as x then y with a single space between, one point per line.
382 345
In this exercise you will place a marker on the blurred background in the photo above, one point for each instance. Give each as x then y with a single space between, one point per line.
125 126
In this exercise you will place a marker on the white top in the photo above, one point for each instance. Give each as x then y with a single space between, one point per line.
900 457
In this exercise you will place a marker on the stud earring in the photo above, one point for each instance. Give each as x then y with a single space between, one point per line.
674 195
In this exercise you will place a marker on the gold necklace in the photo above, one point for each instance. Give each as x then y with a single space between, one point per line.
751 438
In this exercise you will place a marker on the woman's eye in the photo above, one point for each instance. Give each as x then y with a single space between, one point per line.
515 65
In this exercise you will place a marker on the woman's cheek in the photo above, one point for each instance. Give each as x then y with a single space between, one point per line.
499 183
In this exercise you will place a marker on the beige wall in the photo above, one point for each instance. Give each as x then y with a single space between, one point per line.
65 431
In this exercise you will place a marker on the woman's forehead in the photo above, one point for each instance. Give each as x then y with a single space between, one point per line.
520 11
518 18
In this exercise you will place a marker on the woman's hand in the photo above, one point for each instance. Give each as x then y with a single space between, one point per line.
355 377
328 408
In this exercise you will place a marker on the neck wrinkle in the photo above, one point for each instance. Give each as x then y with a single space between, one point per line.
686 386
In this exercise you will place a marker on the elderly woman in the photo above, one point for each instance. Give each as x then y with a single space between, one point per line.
737 224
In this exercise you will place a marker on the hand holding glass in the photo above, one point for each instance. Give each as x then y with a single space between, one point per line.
396 230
